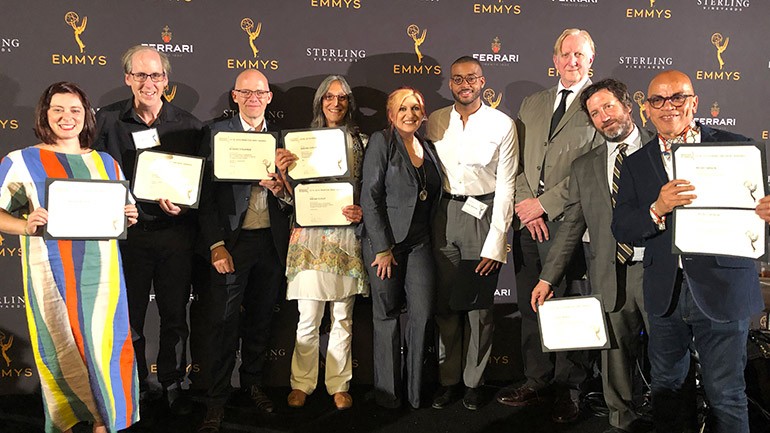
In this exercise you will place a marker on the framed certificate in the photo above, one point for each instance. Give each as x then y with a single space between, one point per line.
243 156
717 231
320 204
729 180
573 323
321 153
170 176
80 209
725 175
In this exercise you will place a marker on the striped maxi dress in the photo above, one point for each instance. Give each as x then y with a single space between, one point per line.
75 301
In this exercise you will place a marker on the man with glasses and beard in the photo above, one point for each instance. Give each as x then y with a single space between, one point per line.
615 270
478 151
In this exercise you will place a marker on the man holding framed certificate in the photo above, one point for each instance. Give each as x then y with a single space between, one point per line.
245 226
705 300
159 249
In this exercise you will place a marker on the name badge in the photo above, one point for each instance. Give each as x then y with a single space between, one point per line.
474 208
146 139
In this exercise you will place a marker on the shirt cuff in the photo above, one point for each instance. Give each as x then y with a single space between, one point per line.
217 245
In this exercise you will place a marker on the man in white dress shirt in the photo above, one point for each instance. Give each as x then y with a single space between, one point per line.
478 150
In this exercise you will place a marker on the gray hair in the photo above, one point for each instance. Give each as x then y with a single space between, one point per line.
129 54
319 120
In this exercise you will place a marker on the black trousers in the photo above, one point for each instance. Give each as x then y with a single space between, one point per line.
161 260
565 369
241 308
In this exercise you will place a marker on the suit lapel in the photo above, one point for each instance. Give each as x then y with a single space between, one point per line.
401 149
600 171
573 108
653 152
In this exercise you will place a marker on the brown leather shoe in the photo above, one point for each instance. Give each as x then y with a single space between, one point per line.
343 400
296 398
564 410
519 397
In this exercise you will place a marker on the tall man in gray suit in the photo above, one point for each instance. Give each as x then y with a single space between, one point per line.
615 270
478 152
553 132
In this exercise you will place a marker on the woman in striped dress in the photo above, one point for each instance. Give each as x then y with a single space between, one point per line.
74 289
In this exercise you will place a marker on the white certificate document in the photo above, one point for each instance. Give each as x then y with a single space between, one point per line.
724 175
86 209
243 156
169 176
320 204
321 153
730 232
573 323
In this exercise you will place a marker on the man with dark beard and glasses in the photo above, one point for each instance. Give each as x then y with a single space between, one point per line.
614 269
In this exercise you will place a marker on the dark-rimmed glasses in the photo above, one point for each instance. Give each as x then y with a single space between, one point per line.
677 100
141 77
246 94
470 79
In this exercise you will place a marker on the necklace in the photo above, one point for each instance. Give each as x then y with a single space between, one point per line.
423 183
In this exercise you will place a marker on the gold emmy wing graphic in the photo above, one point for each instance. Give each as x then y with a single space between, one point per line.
4 346
247 24
489 96
639 98
652 3
72 19
2 240
717 40
169 96
413 31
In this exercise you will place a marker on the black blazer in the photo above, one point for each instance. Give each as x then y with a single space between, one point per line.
725 288
223 204
390 188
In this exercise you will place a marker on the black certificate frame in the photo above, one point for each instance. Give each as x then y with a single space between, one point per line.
202 160
346 139
598 298
765 235
247 179
123 234
297 203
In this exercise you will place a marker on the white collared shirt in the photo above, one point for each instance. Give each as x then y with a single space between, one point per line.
478 158
575 89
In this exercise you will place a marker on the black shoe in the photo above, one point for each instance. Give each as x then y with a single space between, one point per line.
472 398
443 397
212 421
260 399
178 402
615 430
564 409
519 397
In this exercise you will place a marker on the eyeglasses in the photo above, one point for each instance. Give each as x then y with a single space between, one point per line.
141 77
341 98
470 79
246 94
677 100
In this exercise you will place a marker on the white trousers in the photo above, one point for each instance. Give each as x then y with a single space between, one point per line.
339 360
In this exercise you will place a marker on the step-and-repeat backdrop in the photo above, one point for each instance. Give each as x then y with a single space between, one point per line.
379 45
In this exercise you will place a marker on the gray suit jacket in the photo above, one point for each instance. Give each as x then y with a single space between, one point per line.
589 206
574 136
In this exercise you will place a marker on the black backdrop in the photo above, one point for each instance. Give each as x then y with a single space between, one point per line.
372 42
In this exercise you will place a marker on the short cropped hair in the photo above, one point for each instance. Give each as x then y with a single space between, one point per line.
129 54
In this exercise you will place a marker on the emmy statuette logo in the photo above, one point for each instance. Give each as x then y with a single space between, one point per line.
72 19
489 96
247 25
5 343
169 93
413 31
720 43
639 98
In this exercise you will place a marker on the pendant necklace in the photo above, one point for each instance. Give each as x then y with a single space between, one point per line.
423 183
